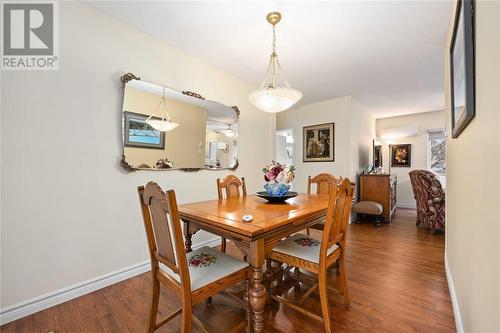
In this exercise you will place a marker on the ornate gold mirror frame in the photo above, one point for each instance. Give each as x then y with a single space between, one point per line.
129 168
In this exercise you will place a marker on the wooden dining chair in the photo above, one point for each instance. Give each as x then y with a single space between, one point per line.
323 182
231 185
307 253
193 277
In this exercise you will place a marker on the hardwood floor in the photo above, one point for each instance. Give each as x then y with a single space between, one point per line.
397 284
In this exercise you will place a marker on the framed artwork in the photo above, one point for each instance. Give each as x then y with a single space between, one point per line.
319 143
462 68
401 156
136 133
377 156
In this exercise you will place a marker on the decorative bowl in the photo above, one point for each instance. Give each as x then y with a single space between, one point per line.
276 189
276 199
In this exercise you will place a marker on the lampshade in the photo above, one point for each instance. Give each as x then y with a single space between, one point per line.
275 99
162 125
275 93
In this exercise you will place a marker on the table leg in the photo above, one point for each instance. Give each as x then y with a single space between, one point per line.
189 231
248 307
269 279
188 242
257 290
257 299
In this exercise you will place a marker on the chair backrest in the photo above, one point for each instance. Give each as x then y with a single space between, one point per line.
426 186
231 184
413 182
163 230
337 217
323 181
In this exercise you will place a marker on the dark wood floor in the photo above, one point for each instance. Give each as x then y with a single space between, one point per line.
397 283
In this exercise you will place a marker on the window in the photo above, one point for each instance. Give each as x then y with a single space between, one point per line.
437 152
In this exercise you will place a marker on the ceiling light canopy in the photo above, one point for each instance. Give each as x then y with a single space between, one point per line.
162 123
275 93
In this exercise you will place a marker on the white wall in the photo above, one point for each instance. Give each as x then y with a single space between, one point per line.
362 135
353 132
69 212
473 182
281 149
331 111
419 148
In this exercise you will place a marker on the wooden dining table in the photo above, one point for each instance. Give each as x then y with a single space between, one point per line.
271 223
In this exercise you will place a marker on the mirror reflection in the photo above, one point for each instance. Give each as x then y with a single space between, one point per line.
163 129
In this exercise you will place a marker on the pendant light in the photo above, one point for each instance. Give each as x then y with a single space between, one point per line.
275 93
229 132
164 124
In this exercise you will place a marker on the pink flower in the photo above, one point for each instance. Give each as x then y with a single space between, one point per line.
270 176
276 170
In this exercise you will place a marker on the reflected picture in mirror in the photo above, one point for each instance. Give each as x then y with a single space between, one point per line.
137 133
165 129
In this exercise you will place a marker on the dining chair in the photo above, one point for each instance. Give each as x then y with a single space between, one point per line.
231 185
194 277
323 182
316 256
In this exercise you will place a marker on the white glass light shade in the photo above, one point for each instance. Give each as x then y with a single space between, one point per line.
275 99
229 133
162 125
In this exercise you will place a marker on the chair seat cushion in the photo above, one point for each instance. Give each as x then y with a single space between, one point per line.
368 207
303 247
207 265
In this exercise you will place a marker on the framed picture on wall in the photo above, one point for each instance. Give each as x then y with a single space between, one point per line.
377 156
462 68
400 155
319 143
136 133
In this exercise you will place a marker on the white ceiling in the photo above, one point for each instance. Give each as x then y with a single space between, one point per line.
389 55
216 111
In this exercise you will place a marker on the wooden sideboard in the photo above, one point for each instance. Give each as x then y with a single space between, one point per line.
379 188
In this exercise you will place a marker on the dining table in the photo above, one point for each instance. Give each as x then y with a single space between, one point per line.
271 223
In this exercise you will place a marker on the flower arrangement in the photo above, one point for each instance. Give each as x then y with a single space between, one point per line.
164 163
277 178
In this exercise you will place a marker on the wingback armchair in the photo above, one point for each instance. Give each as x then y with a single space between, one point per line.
430 198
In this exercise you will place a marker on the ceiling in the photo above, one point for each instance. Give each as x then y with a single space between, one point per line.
389 55
216 112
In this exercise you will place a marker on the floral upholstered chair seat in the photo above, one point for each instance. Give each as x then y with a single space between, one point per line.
207 265
303 247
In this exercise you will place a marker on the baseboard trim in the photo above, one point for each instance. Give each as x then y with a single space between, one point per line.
453 296
406 205
46 301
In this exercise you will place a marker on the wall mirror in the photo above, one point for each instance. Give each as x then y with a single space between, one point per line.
165 129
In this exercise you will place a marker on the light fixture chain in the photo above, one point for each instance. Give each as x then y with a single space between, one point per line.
274 39
273 59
